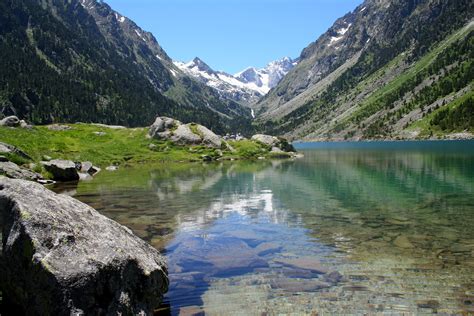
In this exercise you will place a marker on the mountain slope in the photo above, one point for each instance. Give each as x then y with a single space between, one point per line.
79 60
246 87
375 72
227 86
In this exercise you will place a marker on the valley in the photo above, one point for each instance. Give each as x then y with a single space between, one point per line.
334 181
363 79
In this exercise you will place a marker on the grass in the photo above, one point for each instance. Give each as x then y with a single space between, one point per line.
116 147
424 125
248 149
369 106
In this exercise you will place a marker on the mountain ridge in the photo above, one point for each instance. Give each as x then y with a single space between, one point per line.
337 90
82 61
246 86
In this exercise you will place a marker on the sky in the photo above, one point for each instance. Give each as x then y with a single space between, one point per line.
231 35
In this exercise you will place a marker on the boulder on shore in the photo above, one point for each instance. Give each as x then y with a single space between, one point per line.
162 124
88 167
62 170
61 257
275 143
165 128
267 140
209 138
12 170
7 149
10 121
183 135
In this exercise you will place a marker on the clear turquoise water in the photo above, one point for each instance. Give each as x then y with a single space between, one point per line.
350 228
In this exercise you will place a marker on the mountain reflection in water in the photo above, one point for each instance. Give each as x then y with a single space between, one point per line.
359 228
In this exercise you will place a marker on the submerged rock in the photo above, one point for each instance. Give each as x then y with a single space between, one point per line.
62 170
403 242
297 285
228 256
61 257
266 248
306 263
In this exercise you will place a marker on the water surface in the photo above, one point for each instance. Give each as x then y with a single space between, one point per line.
350 228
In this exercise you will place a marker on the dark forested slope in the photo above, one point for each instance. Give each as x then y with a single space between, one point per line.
79 60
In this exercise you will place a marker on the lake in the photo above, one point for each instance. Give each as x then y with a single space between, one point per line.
373 227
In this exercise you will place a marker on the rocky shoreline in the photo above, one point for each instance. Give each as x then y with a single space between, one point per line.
163 133
60 256
413 136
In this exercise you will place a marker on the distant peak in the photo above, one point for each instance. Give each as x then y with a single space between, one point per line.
200 65
198 60
246 71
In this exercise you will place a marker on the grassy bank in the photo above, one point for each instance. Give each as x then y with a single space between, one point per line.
104 146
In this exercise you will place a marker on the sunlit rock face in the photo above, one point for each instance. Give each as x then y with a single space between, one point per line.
61 257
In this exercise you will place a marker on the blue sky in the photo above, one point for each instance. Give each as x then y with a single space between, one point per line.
231 35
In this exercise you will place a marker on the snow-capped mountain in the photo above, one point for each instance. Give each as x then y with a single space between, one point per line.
266 78
247 86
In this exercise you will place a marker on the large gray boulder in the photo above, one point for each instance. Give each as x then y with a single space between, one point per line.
62 170
183 135
277 144
165 128
267 140
61 257
12 170
10 121
162 124
7 149
209 138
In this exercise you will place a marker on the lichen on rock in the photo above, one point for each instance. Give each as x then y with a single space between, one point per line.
61 257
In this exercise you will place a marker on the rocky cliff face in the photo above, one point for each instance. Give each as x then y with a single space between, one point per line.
377 44
80 60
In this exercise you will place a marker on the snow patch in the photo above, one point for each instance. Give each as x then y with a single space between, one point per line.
140 35
249 82
344 30
335 39
341 32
